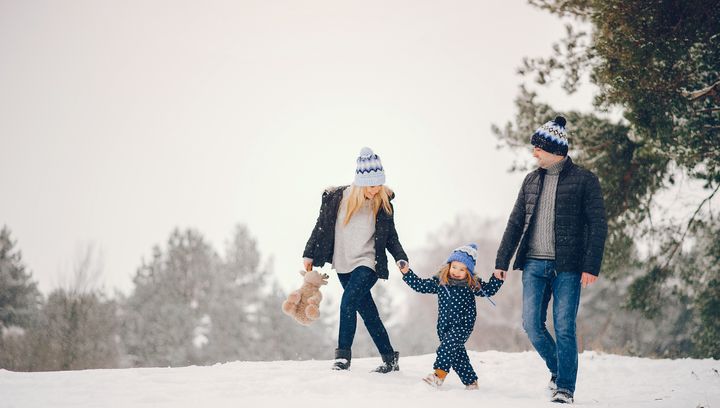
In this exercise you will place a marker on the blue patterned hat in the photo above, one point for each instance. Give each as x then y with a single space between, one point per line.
369 170
552 137
466 254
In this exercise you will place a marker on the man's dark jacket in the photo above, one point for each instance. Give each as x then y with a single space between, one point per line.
580 224
321 244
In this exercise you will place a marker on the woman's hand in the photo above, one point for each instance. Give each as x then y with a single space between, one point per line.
403 265
307 263
500 274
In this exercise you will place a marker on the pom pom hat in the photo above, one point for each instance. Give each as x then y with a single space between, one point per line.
552 137
466 254
369 170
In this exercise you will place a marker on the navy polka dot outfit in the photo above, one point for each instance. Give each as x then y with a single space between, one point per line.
456 318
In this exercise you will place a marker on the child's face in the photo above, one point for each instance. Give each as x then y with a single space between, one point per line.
458 270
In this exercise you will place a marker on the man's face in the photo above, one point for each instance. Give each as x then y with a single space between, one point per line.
545 159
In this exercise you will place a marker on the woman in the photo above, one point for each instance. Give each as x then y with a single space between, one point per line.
354 228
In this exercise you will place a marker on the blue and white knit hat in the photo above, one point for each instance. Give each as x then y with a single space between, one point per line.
466 254
552 137
369 170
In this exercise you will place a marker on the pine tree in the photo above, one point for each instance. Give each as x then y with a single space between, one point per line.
236 295
165 318
19 295
659 63
20 303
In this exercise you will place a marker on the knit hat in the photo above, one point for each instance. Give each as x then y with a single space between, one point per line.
466 254
552 137
369 170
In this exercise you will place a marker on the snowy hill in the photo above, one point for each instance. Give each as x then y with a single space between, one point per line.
507 380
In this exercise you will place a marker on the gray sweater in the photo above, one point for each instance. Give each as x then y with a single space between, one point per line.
354 242
542 239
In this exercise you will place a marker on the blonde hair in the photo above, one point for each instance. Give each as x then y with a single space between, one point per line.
444 276
357 200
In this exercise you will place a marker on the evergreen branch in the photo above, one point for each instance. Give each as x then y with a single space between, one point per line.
716 109
695 95
689 225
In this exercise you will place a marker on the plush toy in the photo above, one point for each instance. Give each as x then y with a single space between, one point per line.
303 304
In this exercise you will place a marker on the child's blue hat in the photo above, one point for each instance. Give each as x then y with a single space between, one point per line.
466 254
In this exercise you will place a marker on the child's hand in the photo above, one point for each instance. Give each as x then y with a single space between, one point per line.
403 265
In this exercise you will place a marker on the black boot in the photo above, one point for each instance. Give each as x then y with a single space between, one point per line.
342 359
390 363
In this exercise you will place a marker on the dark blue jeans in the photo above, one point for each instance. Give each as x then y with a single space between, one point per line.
541 282
357 299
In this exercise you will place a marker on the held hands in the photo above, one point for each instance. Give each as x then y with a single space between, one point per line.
403 265
307 264
500 274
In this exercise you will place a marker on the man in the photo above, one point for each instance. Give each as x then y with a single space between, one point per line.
559 223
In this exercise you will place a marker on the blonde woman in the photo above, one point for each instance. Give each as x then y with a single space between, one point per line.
353 230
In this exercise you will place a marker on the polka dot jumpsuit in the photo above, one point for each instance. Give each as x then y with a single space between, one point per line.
456 318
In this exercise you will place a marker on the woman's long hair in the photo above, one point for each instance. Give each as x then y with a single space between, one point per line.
444 275
357 199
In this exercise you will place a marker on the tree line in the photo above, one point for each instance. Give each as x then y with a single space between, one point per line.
189 305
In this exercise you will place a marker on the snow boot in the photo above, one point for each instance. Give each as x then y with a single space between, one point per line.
562 396
390 363
552 385
472 387
342 359
436 378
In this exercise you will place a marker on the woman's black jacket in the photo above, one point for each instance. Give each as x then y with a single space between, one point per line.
321 244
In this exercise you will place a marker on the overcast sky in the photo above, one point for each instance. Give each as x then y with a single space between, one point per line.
120 120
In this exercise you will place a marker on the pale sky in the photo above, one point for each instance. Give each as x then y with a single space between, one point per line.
120 120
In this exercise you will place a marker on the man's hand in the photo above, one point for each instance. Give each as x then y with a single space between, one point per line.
307 263
403 265
587 278
500 274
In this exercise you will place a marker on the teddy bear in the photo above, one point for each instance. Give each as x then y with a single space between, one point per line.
303 304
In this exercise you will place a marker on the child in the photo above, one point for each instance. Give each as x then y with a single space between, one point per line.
456 287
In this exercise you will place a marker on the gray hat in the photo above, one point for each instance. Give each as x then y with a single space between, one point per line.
369 170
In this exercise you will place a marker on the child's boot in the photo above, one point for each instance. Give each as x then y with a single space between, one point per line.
473 386
436 379
390 363
342 359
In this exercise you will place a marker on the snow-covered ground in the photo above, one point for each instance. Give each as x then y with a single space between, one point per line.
506 380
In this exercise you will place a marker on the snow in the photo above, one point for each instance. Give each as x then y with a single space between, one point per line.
507 380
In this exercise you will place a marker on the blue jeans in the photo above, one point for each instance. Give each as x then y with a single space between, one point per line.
541 282
356 299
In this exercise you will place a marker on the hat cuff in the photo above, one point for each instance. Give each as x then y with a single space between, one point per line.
464 258
548 145
369 179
